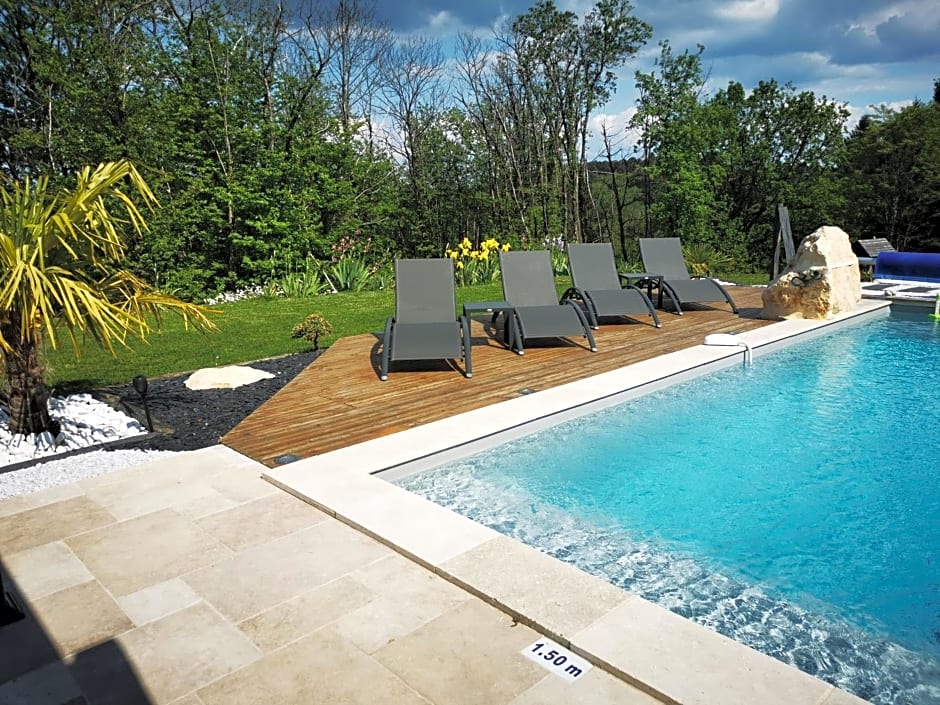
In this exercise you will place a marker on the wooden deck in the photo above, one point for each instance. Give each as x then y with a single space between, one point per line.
338 400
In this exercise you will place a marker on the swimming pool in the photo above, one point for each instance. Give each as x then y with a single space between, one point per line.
792 505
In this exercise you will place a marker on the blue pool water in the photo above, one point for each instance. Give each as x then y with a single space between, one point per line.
793 505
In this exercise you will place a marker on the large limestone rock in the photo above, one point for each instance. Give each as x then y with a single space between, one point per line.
823 281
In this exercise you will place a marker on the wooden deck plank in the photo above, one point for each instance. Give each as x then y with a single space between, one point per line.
338 400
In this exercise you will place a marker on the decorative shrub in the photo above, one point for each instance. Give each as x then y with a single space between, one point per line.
312 329
706 261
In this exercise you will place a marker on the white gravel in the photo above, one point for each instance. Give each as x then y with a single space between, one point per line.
85 422
76 467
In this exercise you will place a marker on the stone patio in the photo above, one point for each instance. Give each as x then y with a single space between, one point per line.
191 580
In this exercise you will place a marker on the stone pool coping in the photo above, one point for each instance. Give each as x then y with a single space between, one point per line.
646 645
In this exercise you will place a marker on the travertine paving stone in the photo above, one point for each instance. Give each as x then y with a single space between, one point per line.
320 668
594 688
291 620
691 664
146 550
20 503
408 596
555 594
467 656
182 652
262 576
45 569
50 522
25 646
157 601
261 520
79 617
49 685
184 484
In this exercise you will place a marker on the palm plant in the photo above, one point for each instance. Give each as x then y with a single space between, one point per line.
61 272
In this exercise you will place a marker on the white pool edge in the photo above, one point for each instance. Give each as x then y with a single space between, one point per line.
657 651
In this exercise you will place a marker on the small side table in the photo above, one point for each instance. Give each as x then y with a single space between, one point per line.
495 308
649 280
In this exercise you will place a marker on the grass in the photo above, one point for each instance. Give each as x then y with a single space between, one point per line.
247 330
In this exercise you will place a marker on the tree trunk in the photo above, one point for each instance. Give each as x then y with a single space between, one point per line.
29 411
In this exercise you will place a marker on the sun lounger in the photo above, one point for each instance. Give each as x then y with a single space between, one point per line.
529 285
425 325
596 283
663 256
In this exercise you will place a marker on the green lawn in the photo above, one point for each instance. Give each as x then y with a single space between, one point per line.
248 330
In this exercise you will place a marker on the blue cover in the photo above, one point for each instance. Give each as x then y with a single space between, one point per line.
908 266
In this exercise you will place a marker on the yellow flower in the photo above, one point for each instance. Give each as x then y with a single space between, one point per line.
491 244
507 247
485 254
452 254
466 244
459 265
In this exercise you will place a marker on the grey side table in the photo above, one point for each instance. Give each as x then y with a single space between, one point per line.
495 308
649 280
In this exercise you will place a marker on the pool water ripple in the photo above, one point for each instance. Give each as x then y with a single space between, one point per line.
791 506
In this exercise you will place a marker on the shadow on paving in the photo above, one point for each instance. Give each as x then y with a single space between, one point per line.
33 671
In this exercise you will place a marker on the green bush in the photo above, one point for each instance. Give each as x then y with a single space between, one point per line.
312 329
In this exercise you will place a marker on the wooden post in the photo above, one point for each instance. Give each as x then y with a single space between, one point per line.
784 236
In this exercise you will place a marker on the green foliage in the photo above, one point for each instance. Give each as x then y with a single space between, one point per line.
243 118
715 167
61 257
706 261
349 274
311 329
893 177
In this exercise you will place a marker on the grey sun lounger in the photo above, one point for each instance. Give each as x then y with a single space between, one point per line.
663 256
597 284
529 285
425 325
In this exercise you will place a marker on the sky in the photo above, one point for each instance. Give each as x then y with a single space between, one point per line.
858 52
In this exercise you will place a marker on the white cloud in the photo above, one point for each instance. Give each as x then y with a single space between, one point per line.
749 10
622 139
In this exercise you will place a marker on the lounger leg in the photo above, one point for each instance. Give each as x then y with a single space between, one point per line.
672 297
587 329
386 348
467 361
734 309
514 333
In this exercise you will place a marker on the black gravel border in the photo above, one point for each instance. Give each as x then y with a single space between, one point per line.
186 419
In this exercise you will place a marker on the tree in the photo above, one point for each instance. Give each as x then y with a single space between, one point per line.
893 177
61 259
719 165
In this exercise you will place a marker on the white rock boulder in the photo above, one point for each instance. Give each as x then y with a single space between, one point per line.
225 377
823 281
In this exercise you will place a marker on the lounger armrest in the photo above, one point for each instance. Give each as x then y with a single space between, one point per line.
571 292
574 294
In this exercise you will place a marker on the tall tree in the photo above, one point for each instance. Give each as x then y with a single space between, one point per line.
568 69
892 182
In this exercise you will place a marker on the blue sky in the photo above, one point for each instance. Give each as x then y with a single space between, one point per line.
859 52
